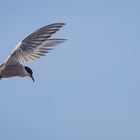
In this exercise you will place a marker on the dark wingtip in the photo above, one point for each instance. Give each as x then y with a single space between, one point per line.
57 24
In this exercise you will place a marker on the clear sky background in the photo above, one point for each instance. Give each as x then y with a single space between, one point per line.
87 88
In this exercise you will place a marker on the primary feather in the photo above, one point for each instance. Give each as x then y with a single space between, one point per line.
35 44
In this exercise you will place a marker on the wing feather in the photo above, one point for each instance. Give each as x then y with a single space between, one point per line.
35 45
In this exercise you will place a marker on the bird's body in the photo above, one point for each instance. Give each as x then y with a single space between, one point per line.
12 70
32 47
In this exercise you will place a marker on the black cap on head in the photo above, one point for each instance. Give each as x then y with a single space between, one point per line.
30 72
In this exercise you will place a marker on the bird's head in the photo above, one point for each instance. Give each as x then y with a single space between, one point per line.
30 72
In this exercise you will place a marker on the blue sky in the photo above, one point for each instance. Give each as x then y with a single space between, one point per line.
86 88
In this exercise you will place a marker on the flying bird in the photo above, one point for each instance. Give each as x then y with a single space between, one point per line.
33 46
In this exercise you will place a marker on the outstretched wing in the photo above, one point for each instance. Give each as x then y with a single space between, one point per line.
35 45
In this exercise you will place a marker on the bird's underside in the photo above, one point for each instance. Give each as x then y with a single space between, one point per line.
12 70
34 46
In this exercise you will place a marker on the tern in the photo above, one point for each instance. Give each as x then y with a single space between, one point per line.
35 45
